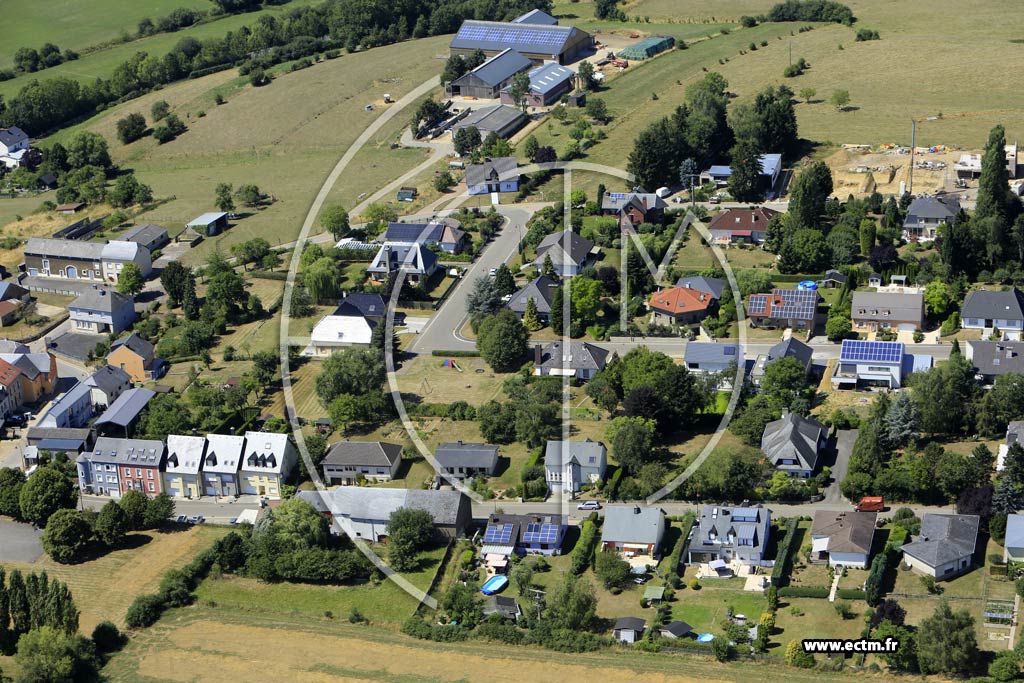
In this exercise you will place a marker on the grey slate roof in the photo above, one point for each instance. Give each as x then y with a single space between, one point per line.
70 249
711 352
564 247
1014 531
126 407
498 68
528 38
709 285
12 347
103 300
536 16
370 453
848 532
630 624
993 358
987 304
883 306
109 379
30 364
373 503
494 118
499 604
10 290
944 539
144 234
416 258
146 452
792 437
541 290
926 206
631 524
677 628
616 201
70 433
717 523
492 171
579 451
578 356
14 135
791 348
135 343
366 305
461 454
834 275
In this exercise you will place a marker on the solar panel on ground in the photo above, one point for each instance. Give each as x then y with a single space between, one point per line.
499 534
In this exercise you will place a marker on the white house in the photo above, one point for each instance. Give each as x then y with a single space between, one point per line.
184 459
568 465
334 332
875 363
100 311
220 464
986 310
13 146
945 545
843 539
267 461
347 462
729 534
569 252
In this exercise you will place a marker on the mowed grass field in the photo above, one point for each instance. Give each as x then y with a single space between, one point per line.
103 588
78 24
204 644
284 137
102 63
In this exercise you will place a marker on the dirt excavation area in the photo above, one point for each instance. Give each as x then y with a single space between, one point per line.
209 651
860 170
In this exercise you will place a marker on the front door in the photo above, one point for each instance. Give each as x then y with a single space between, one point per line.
262 490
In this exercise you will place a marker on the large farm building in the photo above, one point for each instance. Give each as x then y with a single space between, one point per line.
534 35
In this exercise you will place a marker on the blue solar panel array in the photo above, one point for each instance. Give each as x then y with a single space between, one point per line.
513 35
540 533
499 534
757 303
871 351
794 303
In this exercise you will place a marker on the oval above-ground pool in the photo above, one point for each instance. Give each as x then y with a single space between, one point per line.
494 585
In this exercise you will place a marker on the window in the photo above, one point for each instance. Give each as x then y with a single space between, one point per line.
150 473
138 472
152 487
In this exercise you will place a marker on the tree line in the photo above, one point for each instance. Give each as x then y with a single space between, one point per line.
41 106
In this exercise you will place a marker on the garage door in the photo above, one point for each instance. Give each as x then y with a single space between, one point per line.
907 327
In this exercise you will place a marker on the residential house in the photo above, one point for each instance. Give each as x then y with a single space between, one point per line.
832 279
416 261
135 356
875 363
446 233
101 311
539 534
500 119
771 168
369 306
633 208
14 147
1013 545
137 466
11 397
569 252
787 348
73 408
675 630
629 629
571 465
994 358
106 385
709 357
532 35
633 530
873 311
500 174
1014 434
728 534
712 286
335 332
843 539
462 460
209 224
221 464
987 311
347 462
9 346
548 83
926 213
486 81
363 512
27 377
150 236
14 293
741 226
579 360
506 608
542 291
944 547
792 444
267 462
185 455
680 306
793 308
9 312
84 261
123 414
874 280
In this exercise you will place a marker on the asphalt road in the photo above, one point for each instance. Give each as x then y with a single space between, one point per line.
442 332
845 438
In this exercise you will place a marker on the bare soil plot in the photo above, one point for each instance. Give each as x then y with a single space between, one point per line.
21 542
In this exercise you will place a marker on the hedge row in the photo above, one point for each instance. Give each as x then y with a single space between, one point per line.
784 551
851 594
175 591
280 275
685 525
803 592
584 550
879 566
457 353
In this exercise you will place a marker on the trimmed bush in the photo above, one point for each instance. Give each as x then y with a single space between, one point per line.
583 553
144 611
784 552
851 594
803 592
455 353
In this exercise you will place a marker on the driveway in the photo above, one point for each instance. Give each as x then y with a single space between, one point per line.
19 542
844 440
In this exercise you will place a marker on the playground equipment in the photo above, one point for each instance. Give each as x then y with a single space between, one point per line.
450 363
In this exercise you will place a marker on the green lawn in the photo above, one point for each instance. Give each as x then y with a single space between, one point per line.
380 603
706 608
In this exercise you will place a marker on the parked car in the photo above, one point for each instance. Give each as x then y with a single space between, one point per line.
589 505
871 504
641 580
181 519
197 519
492 272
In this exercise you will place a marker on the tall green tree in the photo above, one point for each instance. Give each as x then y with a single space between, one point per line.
810 192
47 491
46 655
130 280
67 533
502 341
503 281
11 481
409 532
993 182
746 183
946 643
111 524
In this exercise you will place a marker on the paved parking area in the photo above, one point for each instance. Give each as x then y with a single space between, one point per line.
75 345
19 542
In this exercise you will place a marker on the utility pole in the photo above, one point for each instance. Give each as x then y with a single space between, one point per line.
913 147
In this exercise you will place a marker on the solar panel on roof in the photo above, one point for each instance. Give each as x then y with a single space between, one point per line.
757 304
540 533
498 534
871 351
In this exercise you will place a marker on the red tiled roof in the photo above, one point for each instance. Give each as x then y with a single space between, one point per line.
8 373
736 221
680 300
